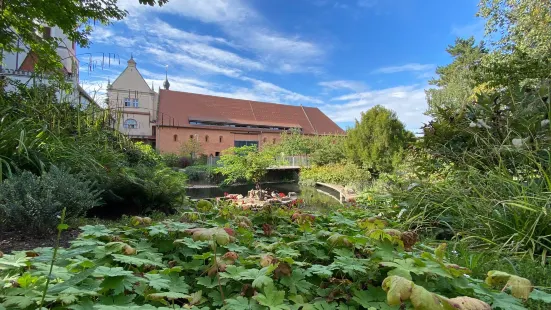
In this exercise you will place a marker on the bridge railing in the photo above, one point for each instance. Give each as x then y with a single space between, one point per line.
293 161
281 161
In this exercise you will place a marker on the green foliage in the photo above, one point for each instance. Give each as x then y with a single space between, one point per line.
345 174
321 149
191 148
457 81
328 150
519 33
32 203
204 206
245 163
37 131
210 263
21 21
378 140
205 173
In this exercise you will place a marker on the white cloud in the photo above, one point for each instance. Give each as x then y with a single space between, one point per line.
406 67
407 101
367 3
278 93
166 57
475 29
279 52
97 89
343 84
105 35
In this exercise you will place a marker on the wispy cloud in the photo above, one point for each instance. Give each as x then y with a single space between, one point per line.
407 101
343 85
248 30
194 63
405 68
475 29
367 3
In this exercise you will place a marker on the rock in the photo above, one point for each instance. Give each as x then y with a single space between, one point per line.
292 194
240 196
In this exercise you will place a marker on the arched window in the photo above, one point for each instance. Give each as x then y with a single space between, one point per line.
220 139
130 124
175 138
191 137
207 138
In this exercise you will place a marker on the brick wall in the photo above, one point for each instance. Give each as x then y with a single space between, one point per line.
169 139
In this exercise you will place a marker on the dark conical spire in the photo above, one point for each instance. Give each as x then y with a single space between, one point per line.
166 84
131 62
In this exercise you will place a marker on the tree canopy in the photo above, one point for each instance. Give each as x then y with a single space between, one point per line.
377 139
21 20
245 163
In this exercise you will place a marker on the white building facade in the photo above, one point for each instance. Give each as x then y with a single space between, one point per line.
19 66
133 104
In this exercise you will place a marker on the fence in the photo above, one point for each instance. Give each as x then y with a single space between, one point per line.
281 161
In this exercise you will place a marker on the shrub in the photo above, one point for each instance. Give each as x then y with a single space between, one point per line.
171 160
204 206
495 208
32 203
346 174
142 189
184 162
203 173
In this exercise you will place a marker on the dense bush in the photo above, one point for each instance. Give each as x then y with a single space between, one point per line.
37 131
378 140
203 173
346 174
32 203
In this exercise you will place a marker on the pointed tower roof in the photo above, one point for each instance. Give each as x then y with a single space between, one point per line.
131 79
131 61
166 84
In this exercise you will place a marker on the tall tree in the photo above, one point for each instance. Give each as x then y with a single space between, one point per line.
377 140
519 32
21 20
458 81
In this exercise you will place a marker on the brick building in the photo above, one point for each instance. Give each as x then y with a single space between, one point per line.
219 123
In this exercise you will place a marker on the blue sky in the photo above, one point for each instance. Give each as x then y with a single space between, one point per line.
341 56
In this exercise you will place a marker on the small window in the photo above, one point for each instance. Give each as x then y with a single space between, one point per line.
207 138
191 137
130 124
175 137
135 102
217 154
47 32
220 140
126 102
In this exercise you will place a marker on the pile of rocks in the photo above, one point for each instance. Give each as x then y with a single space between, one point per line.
258 199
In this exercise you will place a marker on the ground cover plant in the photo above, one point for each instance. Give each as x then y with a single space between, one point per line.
228 258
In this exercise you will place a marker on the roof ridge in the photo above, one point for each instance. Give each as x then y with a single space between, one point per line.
252 110
304 111
225 97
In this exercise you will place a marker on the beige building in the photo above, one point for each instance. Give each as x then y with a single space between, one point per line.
134 104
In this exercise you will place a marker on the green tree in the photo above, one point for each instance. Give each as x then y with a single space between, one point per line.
377 140
191 148
21 20
245 163
293 142
457 81
327 150
519 32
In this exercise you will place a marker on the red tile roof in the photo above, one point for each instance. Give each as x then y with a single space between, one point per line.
179 108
